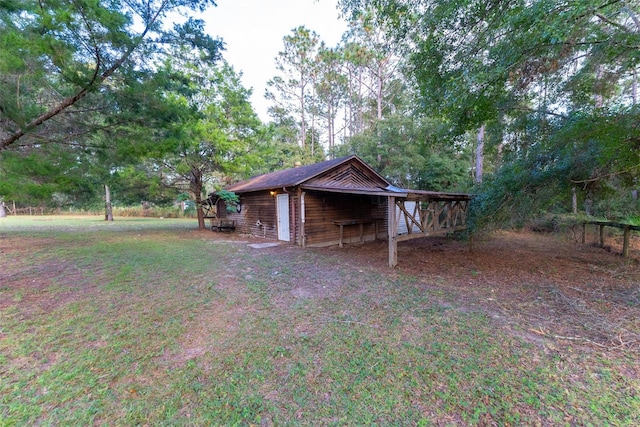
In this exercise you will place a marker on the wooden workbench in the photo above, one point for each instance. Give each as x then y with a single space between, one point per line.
361 222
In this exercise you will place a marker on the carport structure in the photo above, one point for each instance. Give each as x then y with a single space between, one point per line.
416 214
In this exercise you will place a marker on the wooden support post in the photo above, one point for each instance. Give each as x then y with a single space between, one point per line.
392 231
601 236
584 232
302 240
625 244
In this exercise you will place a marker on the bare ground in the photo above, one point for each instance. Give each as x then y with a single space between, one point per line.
538 285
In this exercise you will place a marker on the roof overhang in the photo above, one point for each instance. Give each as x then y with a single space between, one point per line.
412 195
436 196
361 191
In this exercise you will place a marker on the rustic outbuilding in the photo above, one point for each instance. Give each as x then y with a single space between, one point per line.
340 201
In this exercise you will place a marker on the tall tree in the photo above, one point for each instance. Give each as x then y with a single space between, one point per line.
331 88
408 149
290 89
355 56
216 128
533 67
371 48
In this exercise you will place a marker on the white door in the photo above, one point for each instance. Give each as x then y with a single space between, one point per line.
282 201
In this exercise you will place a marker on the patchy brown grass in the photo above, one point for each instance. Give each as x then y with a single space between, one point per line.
546 285
178 326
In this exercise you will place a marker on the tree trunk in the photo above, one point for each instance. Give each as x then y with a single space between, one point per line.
303 123
379 92
634 87
3 211
108 211
201 225
480 155
348 112
330 127
574 200
313 116
359 125
313 134
588 204
196 185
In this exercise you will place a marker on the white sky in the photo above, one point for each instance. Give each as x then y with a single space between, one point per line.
253 31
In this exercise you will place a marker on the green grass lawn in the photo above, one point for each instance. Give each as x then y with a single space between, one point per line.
151 322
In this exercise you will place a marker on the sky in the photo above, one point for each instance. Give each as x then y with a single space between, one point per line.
253 31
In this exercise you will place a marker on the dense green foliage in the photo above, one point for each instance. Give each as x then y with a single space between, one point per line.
534 101
216 130
76 82
55 55
408 151
554 81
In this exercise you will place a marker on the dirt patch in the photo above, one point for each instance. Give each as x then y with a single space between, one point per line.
221 316
539 285
38 286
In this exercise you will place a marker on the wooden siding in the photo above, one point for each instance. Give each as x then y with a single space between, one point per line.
258 215
349 175
323 208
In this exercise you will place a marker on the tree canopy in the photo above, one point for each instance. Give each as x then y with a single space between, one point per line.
55 54
535 99
554 81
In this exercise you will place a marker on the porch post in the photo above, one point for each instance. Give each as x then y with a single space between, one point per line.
392 231
303 238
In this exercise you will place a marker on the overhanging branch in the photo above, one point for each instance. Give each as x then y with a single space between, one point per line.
95 82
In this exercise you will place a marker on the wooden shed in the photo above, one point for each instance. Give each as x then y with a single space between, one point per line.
341 201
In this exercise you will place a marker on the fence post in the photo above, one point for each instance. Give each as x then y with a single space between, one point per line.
625 244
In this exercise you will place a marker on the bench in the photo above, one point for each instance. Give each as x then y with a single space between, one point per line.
602 224
218 224
361 223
